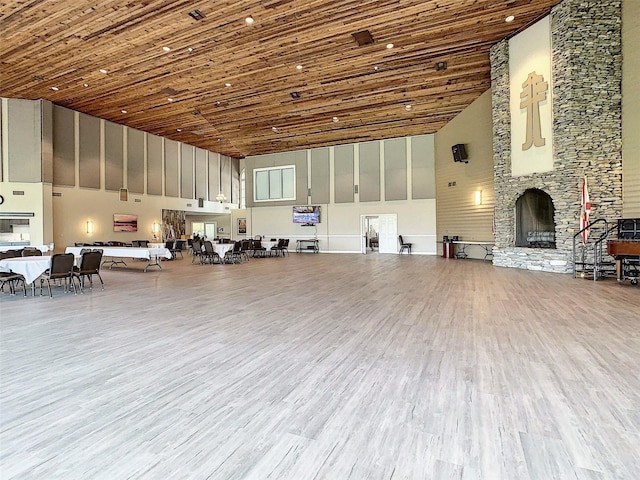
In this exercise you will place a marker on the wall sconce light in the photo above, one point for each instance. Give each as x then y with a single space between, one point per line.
221 197
155 228
478 197
89 226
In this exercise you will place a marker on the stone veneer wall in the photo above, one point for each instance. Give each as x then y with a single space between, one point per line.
587 131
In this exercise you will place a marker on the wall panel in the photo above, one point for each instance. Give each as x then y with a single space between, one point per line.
395 169
113 156
201 173
64 162
320 175
423 181
89 156
343 170
24 141
369 186
186 167
155 164
135 160
172 172
214 175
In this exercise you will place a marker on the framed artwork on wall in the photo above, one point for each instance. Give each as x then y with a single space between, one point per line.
242 226
125 223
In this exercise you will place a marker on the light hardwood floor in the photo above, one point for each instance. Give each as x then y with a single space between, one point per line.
324 367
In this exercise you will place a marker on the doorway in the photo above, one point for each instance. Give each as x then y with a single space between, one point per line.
205 229
381 227
370 228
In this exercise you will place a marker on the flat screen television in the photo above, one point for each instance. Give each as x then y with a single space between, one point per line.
306 214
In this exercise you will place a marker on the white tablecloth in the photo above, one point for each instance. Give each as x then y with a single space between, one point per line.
42 248
268 244
222 248
125 252
29 267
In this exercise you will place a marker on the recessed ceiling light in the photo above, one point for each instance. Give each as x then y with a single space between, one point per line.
102 70
55 89
178 129
166 49
275 129
227 84
299 67
510 18
249 20
389 46
85 84
376 67
295 95
408 107
190 49
336 119
170 100
123 111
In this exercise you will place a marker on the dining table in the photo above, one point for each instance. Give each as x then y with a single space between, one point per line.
152 255
29 267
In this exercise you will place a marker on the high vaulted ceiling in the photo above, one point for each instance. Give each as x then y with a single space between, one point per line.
225 85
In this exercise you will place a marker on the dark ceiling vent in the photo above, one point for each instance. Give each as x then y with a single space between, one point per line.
363 38
295 95
168 91
441 66
196 14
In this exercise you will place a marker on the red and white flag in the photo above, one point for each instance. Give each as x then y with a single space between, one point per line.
585 210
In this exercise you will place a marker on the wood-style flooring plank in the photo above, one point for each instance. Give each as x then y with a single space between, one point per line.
323 367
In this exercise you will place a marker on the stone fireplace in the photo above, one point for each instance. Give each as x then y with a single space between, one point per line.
587 139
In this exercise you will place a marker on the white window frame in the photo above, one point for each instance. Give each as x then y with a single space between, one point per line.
271 169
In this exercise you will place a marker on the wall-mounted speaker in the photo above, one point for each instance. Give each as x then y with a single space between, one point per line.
201 202
459 153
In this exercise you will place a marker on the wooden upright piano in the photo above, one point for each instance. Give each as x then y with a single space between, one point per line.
626 250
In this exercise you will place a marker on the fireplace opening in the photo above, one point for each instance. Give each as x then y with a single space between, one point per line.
535 226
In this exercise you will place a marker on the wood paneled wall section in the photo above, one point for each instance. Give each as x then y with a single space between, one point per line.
631 108
457 182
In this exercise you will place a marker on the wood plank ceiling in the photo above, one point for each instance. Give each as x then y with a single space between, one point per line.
225 85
